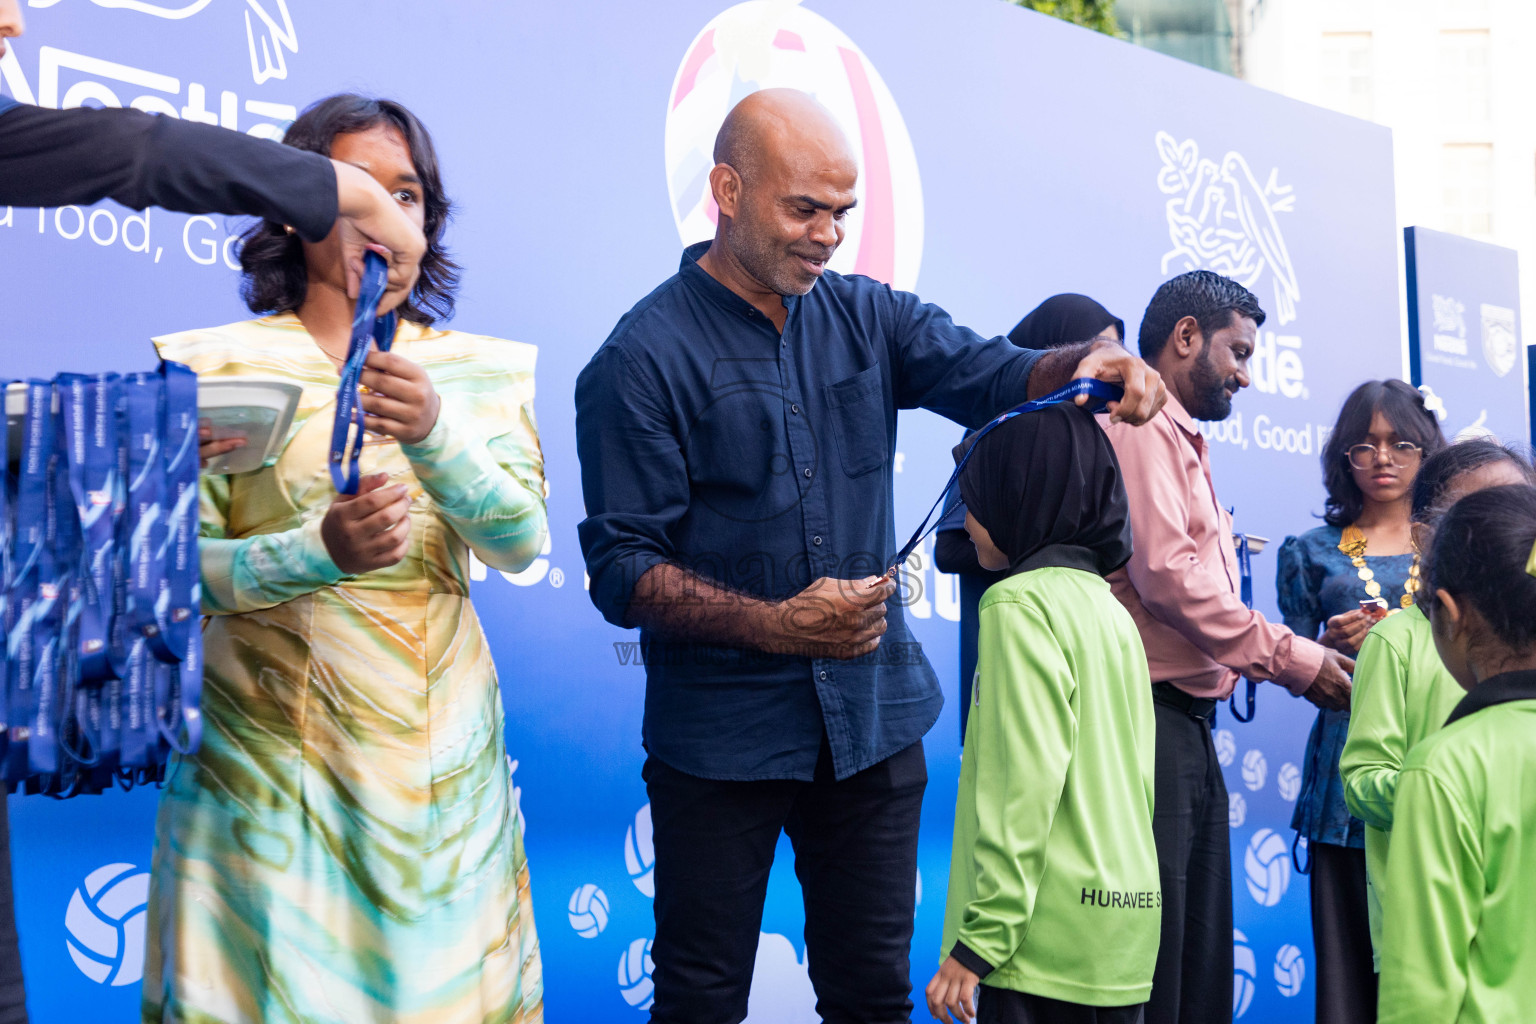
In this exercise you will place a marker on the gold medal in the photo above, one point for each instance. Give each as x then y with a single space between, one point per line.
1352 542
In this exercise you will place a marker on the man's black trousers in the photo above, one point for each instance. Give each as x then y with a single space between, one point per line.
1192 983
855 846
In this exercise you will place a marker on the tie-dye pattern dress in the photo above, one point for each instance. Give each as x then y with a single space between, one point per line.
345 848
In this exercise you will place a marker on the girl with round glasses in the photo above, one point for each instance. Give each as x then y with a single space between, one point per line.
1340 579
1363 457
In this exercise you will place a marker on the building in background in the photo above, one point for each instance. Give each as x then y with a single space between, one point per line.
1204 32
1454 81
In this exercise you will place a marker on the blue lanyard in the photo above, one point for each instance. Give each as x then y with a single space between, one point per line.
179 686
102 650
64 709
348 430
180 598
148 589
137 707
88 405
1245 586
1098 393
148 597
54 584
1245 569
6 582
30 564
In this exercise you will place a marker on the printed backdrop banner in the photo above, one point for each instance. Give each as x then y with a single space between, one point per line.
1004 156
1464 332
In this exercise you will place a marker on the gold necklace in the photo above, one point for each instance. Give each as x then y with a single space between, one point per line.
1352 543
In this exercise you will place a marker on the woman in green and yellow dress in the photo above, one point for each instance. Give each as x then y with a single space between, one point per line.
344 848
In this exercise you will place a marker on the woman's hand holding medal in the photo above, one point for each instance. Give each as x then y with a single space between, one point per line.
371 529
1346 631
398 398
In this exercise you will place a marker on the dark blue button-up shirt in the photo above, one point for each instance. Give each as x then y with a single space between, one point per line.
763 462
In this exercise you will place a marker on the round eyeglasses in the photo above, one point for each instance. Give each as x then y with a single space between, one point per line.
1402 453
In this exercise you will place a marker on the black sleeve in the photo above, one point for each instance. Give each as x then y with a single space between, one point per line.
954 552
56 157
970 960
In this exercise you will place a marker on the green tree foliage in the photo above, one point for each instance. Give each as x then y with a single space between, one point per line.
1098 15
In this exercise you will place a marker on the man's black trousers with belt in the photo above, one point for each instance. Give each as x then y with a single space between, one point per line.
855 846
1192 983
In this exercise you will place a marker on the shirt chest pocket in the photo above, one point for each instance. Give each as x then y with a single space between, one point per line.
857 411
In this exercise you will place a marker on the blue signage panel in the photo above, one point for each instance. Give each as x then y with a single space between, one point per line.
576 148
1464 337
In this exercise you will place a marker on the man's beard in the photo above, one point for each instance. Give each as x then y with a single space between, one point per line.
1209 399
770 265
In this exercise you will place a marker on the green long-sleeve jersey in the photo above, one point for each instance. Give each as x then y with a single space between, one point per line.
1053 878
1459 932
1401 694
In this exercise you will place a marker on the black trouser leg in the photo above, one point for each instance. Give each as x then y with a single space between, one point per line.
1341 933
714 847
856 858
1003 1006
1192 983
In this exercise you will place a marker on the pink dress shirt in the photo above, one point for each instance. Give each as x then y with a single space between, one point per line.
1181 584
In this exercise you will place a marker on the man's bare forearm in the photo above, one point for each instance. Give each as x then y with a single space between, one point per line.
680 605
1054 370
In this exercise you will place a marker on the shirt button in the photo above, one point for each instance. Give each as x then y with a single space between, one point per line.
823 675
807 472
795 409
816 541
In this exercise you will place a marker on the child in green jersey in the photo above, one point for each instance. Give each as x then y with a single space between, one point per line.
1054 899
1459 932
1402 691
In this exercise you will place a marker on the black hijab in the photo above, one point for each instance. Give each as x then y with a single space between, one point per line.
1046 485
1064 319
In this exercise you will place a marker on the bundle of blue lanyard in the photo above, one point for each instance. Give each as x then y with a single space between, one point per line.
100 599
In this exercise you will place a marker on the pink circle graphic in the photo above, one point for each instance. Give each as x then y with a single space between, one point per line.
766 44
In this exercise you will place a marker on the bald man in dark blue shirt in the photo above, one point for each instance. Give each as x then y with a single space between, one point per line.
736 433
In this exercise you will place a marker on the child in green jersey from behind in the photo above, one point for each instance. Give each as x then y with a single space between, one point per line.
1402 691
1459 931
1054 900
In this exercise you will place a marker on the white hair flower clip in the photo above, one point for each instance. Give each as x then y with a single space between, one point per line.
1433 402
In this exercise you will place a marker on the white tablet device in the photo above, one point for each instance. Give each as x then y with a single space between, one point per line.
258 410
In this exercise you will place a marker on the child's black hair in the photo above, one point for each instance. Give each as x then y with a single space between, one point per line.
1442 468
1480 555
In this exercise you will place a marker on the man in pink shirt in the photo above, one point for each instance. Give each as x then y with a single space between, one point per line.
1181 587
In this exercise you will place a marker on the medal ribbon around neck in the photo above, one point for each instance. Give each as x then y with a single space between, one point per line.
1353 544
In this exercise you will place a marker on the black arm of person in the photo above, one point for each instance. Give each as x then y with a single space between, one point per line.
58 157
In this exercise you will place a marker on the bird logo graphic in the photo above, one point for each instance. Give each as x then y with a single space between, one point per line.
267 37
1221 219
